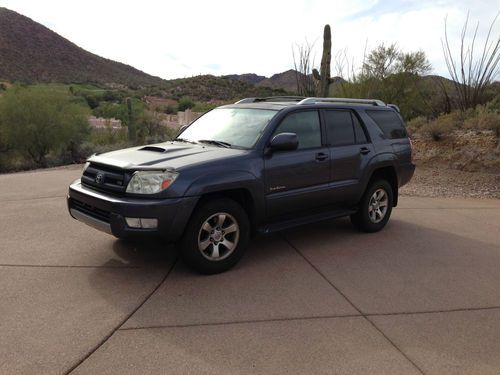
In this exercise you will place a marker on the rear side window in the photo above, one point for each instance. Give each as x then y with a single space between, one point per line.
389 122
339 128
343 128
306 125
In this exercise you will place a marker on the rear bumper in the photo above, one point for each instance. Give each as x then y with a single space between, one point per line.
107 213
406 172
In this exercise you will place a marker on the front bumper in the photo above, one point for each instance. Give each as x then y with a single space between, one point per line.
107 213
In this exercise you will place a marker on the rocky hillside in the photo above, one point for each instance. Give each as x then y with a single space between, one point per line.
210 88
30 52
462 150
251 78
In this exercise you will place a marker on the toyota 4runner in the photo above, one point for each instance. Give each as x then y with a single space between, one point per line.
259 165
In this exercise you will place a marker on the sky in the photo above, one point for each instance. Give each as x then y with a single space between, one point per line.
184 38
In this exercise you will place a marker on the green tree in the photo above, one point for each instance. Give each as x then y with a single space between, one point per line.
185 103
394 77
38 120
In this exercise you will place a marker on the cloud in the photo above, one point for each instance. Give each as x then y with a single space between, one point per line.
179 39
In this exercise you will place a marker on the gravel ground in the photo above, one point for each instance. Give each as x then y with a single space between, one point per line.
442 182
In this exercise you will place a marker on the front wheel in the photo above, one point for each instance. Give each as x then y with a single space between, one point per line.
375 207
216 236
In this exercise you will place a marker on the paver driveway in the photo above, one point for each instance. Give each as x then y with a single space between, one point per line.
422 296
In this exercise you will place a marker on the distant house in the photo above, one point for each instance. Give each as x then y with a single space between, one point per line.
99 123
180 119
187 117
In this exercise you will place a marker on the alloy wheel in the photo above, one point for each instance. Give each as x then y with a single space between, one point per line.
218 236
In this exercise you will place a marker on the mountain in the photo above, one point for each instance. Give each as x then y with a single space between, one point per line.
247 77
208 88
286 81
30 52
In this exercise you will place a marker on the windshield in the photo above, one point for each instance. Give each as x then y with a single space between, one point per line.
235 127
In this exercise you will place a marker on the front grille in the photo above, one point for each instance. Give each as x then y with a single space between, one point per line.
106 178
92 211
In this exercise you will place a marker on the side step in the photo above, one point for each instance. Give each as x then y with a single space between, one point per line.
291 223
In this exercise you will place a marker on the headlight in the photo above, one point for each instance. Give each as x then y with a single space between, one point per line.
150 182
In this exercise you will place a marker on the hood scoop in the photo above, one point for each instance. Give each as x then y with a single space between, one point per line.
153 148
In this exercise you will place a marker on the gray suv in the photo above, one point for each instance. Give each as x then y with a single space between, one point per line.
257 166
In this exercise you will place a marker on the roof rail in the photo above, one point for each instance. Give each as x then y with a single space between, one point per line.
271 99
395 107
375 102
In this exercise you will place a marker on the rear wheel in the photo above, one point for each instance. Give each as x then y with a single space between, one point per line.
216 236
375 207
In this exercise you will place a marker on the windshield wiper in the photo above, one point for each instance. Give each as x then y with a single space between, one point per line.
214 142
183 140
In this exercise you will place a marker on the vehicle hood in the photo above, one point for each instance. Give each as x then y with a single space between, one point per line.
168 155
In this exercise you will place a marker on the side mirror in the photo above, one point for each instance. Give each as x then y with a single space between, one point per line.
181 129
284 142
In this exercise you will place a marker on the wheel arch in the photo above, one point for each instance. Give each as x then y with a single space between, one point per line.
388 173
241 195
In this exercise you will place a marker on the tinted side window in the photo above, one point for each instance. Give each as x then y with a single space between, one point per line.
389 122
358 130
306 125
339 128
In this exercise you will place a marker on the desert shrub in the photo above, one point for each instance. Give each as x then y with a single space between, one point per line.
37 121
185 103
203 107
484 121
108 136
87 149
437 129
170 109
414 126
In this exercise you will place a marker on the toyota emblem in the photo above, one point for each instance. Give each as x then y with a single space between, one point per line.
99 178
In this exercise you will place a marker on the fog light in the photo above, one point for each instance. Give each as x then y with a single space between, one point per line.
135 222
149 223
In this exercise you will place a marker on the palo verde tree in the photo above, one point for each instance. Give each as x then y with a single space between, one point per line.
472 73
36 121
389 74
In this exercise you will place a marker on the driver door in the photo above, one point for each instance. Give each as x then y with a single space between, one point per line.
298 180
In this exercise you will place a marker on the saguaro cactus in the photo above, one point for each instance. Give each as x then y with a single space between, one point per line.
323 78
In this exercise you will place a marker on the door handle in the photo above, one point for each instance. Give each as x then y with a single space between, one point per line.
320 156
364 150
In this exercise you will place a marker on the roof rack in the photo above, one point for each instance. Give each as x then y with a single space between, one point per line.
374 102
300 100
395 107
272 99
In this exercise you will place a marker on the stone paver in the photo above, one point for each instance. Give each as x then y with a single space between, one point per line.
271 282
412 265
318 299
461 342
319 346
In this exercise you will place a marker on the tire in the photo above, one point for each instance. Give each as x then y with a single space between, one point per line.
216 236
371 216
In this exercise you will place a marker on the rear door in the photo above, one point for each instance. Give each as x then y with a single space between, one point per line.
350 151
298 180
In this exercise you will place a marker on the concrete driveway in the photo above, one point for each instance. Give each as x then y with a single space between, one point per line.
422 296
